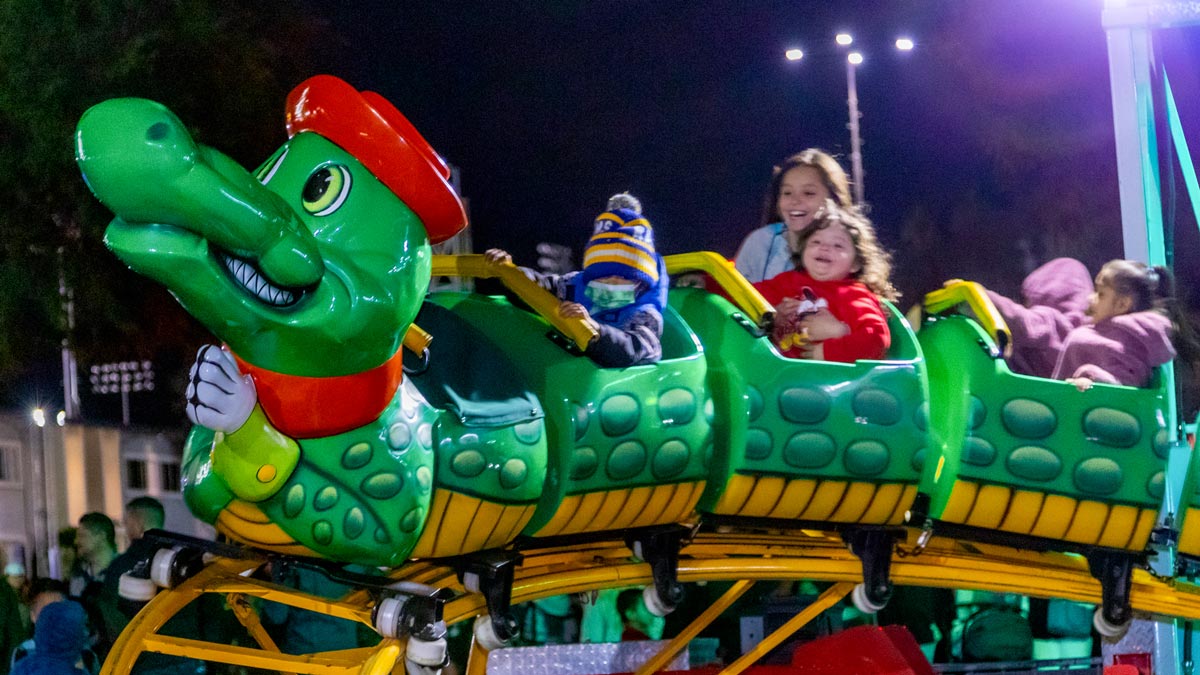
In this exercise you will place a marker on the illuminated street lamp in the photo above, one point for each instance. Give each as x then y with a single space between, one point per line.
853 60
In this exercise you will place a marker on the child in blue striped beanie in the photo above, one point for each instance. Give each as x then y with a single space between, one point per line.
622 287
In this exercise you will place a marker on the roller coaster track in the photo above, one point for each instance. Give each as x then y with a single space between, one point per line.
801 554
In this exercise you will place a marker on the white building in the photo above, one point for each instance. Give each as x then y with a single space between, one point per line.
87 468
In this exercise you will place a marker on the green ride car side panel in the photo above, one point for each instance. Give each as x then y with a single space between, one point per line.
626 446
492 442
809 440
363 495
1188 522
1035 456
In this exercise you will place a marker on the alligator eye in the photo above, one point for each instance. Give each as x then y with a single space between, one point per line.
267 171
326 189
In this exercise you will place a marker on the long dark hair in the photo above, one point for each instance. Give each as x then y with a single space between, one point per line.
832 175
874 263
1152 289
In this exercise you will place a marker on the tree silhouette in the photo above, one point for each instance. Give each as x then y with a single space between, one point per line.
224 68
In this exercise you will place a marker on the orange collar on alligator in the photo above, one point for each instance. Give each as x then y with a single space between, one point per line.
312 407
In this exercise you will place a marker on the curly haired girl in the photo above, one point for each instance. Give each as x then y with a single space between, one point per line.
828 308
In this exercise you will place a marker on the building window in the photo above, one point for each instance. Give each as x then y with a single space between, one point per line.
135 474
10 463
169 473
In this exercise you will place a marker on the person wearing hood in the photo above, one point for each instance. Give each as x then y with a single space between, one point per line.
621 290
60 637
1056 301
1132 331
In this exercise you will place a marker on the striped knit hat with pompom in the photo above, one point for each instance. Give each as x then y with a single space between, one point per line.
622 245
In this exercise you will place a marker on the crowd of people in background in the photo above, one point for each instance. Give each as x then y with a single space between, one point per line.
70 624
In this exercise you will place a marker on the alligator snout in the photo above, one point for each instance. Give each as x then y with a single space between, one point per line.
141 162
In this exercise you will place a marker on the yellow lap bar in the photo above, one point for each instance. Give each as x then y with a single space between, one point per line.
577 330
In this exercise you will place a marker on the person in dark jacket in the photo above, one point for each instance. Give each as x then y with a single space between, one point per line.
60 638
621 290
10 625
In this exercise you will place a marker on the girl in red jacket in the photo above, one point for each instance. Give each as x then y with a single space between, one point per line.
828 307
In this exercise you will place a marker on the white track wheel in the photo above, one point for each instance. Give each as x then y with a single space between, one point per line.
485 634
654 603
160 566
863 603
429 654
387 617
138 589
1107 629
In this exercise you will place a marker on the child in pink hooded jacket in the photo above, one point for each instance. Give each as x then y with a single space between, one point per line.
1131 333
1056 296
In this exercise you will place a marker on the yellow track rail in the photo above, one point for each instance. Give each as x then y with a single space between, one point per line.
814 555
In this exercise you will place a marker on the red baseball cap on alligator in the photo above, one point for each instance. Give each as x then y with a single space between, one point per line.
365 125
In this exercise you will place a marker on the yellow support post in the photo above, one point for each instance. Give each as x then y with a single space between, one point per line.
826 600
577 330
245 614
385 658
160 609
664 656
477 659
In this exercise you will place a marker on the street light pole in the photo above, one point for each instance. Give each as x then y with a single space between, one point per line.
38 499
856 168
853 60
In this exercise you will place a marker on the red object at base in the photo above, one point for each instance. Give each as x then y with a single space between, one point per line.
1142 661
862 650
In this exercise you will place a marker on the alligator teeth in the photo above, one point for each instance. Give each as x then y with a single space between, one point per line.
248 276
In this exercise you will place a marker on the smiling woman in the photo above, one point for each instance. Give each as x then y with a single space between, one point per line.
798 188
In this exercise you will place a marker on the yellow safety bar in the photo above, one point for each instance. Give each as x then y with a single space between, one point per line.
579 331
745 296
957 292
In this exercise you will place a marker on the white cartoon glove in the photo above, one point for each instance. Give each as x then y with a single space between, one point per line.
218 396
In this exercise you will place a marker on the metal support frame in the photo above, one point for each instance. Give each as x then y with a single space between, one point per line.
828 599
490 573
664 656
1128 24
815 555
660 549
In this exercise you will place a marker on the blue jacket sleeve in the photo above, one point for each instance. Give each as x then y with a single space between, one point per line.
640 342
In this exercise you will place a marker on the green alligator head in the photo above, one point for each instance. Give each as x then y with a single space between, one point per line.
316 264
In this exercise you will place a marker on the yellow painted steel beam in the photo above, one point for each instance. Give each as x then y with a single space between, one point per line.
343 662
477 659
828 599
159 610
385 659
676 645
250 620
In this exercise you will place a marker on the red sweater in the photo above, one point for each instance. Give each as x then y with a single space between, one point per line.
849 300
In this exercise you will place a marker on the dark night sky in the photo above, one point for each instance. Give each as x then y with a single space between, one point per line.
548 107
1000 119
